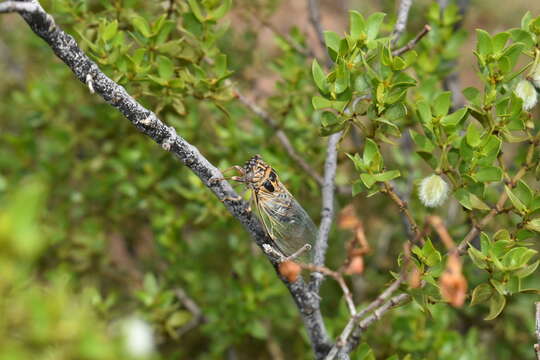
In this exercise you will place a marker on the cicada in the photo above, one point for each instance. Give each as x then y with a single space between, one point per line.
287 223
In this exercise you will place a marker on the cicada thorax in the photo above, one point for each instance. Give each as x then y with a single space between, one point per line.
284 219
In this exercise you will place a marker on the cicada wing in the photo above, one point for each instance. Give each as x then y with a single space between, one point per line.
290 225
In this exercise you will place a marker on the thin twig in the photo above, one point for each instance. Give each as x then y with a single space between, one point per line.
411 44
327 212
401 22
288 39
315 20
343 338
388 189
340 280
193 308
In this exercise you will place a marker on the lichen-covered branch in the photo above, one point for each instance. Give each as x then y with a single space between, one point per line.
327 212
401 22
67 49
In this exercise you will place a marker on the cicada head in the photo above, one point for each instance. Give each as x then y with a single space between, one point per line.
260 176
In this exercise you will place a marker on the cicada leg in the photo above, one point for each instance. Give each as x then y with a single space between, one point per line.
238 168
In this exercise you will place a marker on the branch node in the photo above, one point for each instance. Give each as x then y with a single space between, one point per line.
149 120
170 139
90 83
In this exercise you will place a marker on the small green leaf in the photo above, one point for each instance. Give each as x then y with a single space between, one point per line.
387 175
194 5
496 305
357 24
517 257
454 119
533 224
488 174
373 24
478 258
342 78
110 30
367 179
165 67
371 151
484 44
515 201
473 135
481 294
441 104
527 270
424 111
319 102
332 40
319 76
141 25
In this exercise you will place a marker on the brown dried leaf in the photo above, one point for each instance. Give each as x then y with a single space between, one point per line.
453 285
290 270
355 266
347 218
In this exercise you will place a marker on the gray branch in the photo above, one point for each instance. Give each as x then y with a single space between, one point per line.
67 49
327 212
315 20
537 317
401 22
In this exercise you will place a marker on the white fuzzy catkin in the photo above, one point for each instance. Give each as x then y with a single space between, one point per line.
433 191
138 337
535 76
526 92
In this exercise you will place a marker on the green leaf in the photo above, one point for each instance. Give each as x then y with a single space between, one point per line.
441 104
496 305
221 10
517 257
387 175
488 173
499 41
373 24
515 200
470 201
368 179
319 76
165 67
424 111
527 270
533 224
141 25
454 119
357 24
371 152
523 192
473 135
319 102
332 40
422 142
478 258
194 5
484 44
428 254
481 294
110 30
342 78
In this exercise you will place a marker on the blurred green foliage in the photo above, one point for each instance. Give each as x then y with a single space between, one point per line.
97 223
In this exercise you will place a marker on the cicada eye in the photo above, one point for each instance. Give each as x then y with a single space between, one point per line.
268 186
